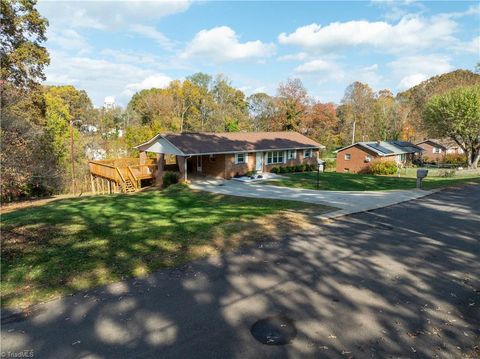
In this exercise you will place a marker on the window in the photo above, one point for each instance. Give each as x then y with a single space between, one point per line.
368 158
291 154
240 158
437 150
307 153
274 157
211 158
348 156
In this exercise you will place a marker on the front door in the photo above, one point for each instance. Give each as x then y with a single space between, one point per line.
259 162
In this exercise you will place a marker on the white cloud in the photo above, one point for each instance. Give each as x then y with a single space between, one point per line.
411 70
301 56
100 77
152 33
152 81
412 80
127 56
108 14
221 44
409 34
68 39
81 19
318 65
472 46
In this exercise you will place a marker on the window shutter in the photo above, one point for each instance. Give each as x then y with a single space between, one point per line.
245 155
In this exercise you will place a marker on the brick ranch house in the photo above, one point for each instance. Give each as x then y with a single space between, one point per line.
226 155
356 158
436 150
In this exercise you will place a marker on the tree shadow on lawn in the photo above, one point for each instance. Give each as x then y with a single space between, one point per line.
77 244
353 288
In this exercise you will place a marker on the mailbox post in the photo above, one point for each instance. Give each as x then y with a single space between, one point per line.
421 174
320 168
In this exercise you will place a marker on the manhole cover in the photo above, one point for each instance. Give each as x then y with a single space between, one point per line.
275 330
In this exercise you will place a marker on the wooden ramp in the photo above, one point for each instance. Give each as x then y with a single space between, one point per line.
120 174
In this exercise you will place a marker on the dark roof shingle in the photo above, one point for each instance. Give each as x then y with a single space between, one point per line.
203 142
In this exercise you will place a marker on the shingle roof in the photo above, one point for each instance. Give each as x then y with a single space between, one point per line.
204 142
387 148
445 143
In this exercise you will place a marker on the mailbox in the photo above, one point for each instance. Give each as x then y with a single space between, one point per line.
422 173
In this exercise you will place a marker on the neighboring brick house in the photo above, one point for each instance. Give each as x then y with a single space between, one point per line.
436 150
230 154
356 158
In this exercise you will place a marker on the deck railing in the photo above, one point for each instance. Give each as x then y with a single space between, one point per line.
122 170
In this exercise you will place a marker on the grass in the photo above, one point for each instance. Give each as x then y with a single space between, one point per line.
70 245
332 181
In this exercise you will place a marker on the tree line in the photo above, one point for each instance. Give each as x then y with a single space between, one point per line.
47 141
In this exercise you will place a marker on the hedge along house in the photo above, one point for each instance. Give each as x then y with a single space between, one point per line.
356 158
230 154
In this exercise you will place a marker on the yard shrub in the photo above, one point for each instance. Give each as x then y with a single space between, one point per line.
274 170
282 169
382 168
290 169
170 178
446 173
330 164
455 159
310 167
299 168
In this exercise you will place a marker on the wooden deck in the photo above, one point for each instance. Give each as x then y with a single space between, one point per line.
120 174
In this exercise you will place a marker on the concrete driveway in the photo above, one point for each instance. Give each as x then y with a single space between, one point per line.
347 202
398 282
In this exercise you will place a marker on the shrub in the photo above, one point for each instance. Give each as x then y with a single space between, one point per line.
290 169
310 167
455 159
249 173
170 178
330 164
383 168
282 169
299 168
274 170
446 173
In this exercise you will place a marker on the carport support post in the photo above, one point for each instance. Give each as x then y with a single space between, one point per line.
142 158
182 167
159 174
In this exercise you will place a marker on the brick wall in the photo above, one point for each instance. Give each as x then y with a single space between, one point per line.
428 153
231 169
224 166
300 159
357 161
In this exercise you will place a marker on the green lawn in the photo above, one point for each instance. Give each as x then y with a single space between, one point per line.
74 244
333 181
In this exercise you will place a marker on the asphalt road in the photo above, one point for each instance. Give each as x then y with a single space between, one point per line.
402 281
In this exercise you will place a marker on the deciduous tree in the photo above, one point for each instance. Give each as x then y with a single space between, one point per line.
22 33
456 115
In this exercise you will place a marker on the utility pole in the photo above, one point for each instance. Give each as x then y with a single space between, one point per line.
71 157
353 132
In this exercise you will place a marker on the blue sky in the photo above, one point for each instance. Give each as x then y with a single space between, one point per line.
118 48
